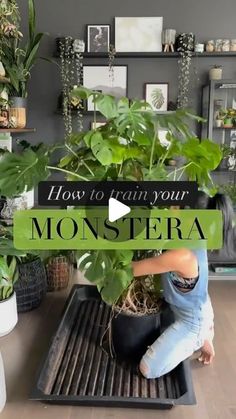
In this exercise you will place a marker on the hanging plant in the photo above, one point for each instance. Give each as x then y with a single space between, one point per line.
79 82
185 48
111 56
65 45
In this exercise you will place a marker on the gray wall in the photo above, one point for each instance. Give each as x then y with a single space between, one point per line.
208 19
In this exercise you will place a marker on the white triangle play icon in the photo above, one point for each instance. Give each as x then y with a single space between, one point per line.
116 210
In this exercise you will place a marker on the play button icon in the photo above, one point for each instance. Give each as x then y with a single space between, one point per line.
117 210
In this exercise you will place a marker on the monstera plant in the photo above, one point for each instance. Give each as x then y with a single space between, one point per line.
127 147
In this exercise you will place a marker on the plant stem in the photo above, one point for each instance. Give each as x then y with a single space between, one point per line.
68 172
152 150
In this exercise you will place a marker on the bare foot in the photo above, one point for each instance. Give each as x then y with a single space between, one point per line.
207 352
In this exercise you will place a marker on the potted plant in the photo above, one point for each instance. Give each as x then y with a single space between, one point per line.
229 118
18 61
215 73
29 279
127 147
4 119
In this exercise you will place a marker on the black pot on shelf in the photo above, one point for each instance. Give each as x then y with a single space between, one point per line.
31 285
185 42
132 334
62 41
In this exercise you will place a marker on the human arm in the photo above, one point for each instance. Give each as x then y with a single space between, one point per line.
181 261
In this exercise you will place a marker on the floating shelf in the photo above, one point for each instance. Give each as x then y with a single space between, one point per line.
16 130
155 54
4 80
229 128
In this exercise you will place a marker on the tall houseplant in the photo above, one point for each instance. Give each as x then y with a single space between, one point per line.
127 147
18 61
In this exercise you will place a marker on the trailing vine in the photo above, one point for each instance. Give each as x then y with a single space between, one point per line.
185 49
111 56
79 82
66 57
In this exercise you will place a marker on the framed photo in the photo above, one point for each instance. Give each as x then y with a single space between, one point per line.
138 34
98 77
156 94
98 38
95 125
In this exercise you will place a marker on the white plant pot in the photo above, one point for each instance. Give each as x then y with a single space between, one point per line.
215 73
3 395
8 315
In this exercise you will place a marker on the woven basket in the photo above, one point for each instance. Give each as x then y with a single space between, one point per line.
31 286
58 273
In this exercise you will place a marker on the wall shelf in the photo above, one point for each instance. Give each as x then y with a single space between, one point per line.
16 130
155 54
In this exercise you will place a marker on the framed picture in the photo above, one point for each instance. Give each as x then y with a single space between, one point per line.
156 94
98 38
95 125
138 34
98 77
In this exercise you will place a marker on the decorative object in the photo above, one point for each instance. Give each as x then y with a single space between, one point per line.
11 205
138 34
225 45
199 48
210 46
78 46
58 272
218 122
3 395
98 38
233 45
97 78
31 285
185 43
168 39
218 45
17 110
156 94
216 72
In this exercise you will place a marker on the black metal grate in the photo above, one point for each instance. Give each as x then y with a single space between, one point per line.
79 370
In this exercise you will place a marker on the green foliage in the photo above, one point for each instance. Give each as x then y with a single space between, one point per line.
18 60
109 270
128 146
20 172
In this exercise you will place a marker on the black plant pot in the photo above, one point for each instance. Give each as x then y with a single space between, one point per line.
63 41
132 334
31 285
185 42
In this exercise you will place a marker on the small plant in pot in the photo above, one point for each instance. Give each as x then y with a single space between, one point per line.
8 277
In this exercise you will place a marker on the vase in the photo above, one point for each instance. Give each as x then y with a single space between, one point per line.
18 111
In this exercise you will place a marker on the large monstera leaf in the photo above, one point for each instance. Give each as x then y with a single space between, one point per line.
203 156
20 172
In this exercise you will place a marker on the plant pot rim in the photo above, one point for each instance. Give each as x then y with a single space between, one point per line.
8 298
118 312
29 261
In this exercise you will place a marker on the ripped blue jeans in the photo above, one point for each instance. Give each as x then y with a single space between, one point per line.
180 340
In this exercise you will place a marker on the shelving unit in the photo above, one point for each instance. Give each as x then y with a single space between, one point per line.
155 54
16 130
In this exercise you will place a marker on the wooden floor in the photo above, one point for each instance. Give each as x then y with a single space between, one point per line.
215 386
